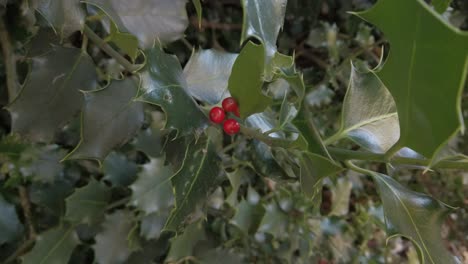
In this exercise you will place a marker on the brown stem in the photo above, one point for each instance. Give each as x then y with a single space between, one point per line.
9 60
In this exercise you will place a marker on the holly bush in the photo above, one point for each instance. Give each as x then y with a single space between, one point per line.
345 133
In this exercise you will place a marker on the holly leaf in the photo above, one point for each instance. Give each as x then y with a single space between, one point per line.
114 236
184 244
51 94
110 118
53 246
248 216
44 163
415 216
314 168
10 225
369 116
246 81
441 5
127 42
65 16
422 69
274 221
152 225
87 204
119 170
194 181
263 20
149 21
163 84
207 73
12 146
152 191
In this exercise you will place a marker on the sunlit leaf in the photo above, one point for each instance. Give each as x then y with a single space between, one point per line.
149 21
263 20
64 16
424 74
246 81
207 74
369 114
112 245
110 118
163 84
51 94
53 246
127 42
10 225
152 191
193 182
87 204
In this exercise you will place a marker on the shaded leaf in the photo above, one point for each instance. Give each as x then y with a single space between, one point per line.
421 70
415 216
163 84
53 246
217 255
51 195
114 238
10 225
119 170
51 94
441 5
207 74
149 21
199 10
64 16
246 81
248 216
151 140
44 163
184 244
110 118
314 168
194 181
12 146
369 114
87 204
274 221
152 192
127 42
263 20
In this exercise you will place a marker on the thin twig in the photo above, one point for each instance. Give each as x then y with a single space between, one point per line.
26 205
109 50
9 60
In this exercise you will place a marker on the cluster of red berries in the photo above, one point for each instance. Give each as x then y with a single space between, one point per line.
217 115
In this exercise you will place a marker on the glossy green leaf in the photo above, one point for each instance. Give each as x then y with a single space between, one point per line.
51 94
10 225
149 21
194 181
314 168
275 221
235 178
64 16
246 81
163 84
87 204
119 170
110 118
309 133
207 74
369 116
184 244
425 74
53 246
151 140
152 191
416 216
43 163
263 20
112 245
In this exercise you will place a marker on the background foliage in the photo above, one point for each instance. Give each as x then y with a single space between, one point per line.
107 155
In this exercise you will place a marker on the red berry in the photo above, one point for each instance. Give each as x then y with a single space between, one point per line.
217 114
230 105
231 126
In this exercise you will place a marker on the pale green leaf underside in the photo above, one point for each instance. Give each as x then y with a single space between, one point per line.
246 80
425 71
